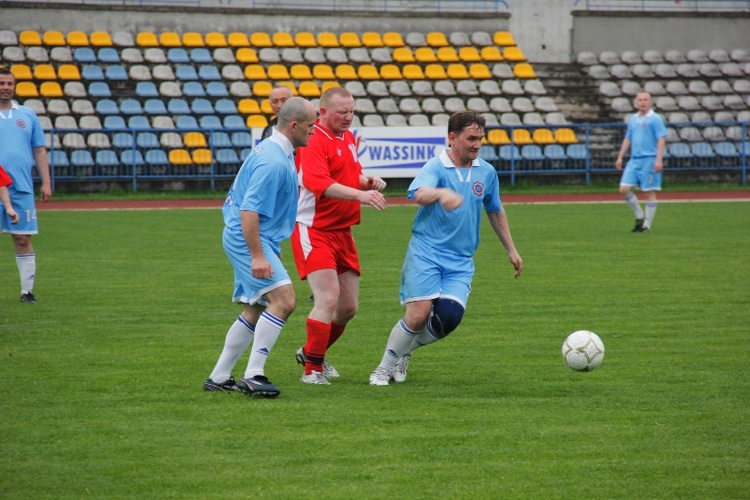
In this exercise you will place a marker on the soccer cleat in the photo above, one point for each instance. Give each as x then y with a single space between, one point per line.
638 228
399 373
28 298
328 370
258 385
228 385
315 378
380 377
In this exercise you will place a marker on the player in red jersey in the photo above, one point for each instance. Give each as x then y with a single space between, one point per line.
332 189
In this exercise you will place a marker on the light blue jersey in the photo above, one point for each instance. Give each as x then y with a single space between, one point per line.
20 133
644 133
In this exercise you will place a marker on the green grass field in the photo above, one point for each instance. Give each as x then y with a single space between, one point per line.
101 393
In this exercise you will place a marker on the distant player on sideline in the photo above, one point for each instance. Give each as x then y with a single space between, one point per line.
452 190
22 147
259 213
647 134
278 96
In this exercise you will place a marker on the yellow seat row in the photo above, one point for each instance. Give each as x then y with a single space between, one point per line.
46 89
201 156
522 136
463 54
45 72
55 38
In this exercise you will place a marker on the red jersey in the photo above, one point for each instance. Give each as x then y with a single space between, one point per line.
5 179
327 159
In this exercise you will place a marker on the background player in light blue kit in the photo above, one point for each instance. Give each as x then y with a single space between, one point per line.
453 189
259 213
647 135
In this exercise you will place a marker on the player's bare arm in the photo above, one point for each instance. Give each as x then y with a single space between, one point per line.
659 163
371 197
373 182
623 150
40 159
499 223
260 266
448 199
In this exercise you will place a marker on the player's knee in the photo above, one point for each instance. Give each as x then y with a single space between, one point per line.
446 316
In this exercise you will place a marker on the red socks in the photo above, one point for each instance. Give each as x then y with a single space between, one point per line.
318 335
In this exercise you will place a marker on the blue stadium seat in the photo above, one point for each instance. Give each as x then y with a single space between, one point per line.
554 152
227 157
146 89
509 152
201 56
130 157
488 153
726 150
112 122
99 89
84 55
185 73
226 107
219 140
210 122
186 122
108 55
194 89
234 122
138 122
58 159
156 157
202 107
217 89
107 158
154 107
702 150
242 139
116 73
90 72
106 107
243 154
81 158
123 140
178 55
532 152
577 152
680 150
177 106
131 107
147 140
208 72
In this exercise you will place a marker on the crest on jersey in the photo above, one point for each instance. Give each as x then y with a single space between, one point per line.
478 188
353 149
20 123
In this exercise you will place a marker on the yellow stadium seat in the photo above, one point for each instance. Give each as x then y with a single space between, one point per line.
436 39
349 39
290 85
457 72
469 54
393 39
565 136
323 72
101 39
195 140
261 40
202 156
170 39
216 39
543 136
53 38
305 39
50 89
372 39
144 39
503 39
300 72
328 85
248 107
265 107
521 137
524 70
425 55
513 54
390 72
498 136
327 39
403 55
247 55
262 89
26 89
491 54
283 39
480 71
309 89
447 55
346 72
435 72
255 72
44 72
413 72
78 39
256 121
237 39
278 72
180 157
368 72
29 37
68 72
21 72
193 39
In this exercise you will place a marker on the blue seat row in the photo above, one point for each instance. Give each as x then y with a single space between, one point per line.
534 152
109 55
174 106
109 158
183 122
189 89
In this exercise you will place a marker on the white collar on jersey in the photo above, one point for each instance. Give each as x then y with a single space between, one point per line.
448 163
282 141
13 105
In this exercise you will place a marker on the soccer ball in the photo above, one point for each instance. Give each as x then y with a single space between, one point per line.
583 350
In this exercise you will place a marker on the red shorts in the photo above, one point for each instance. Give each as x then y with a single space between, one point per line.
314 250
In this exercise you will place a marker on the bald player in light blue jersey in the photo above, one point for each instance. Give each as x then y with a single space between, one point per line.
22 147
646 137
259 213
452 189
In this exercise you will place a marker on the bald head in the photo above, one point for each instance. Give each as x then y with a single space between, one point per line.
278 96
296 120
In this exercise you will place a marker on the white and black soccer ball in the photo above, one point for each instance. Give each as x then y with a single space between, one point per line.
583 351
